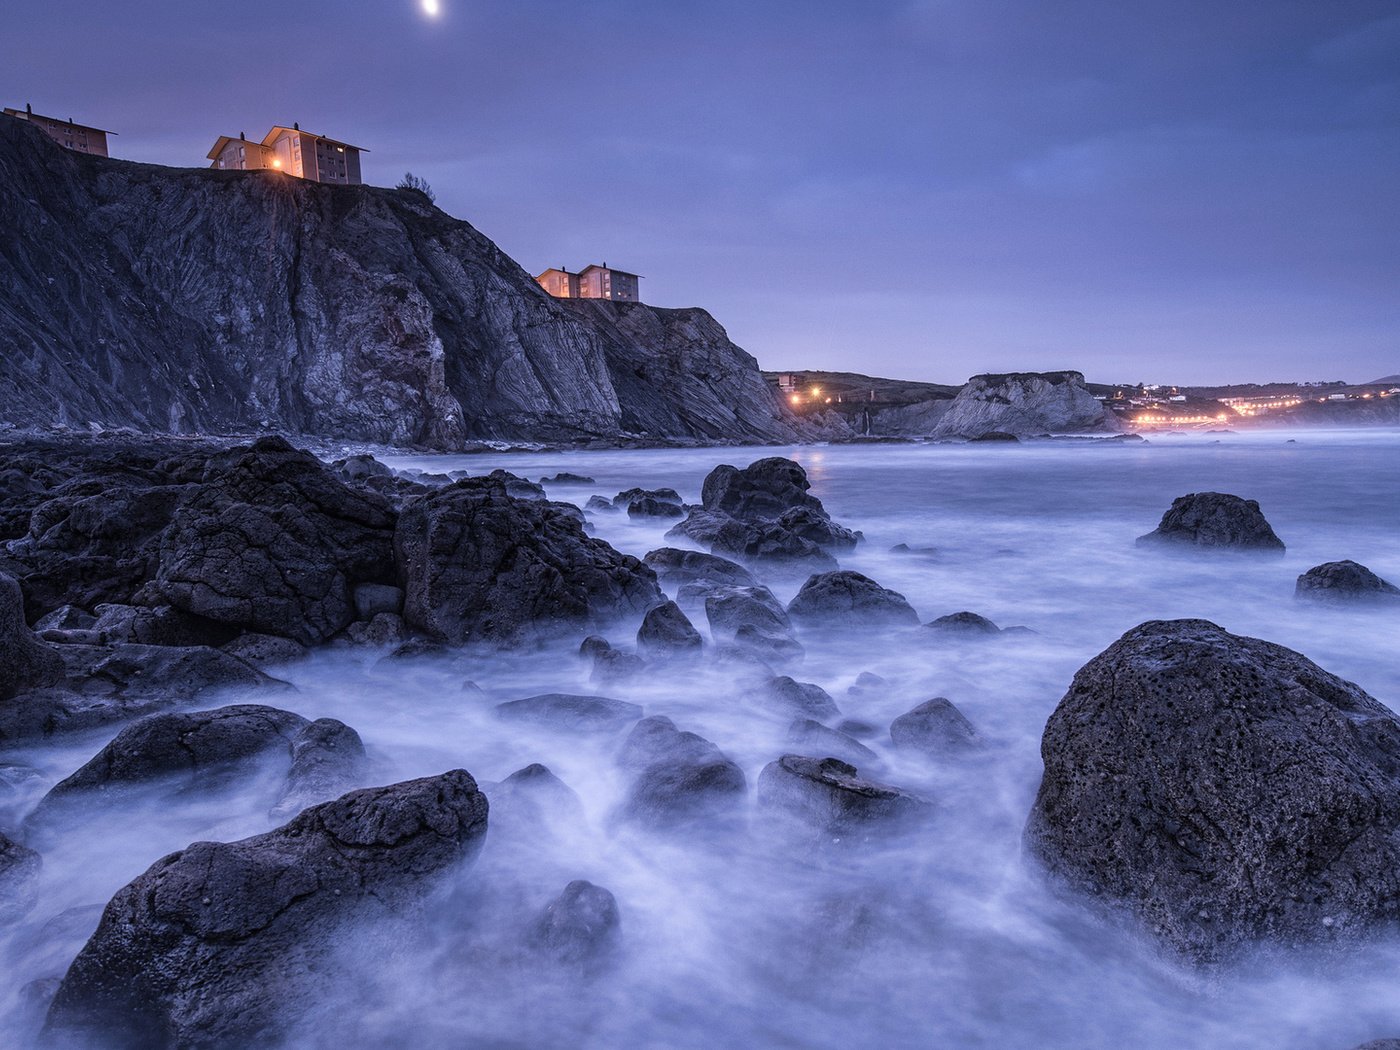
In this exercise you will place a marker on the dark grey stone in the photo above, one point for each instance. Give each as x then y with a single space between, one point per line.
1214 520
1345 582
829 797
791 699
681 779
328 759
567 711
851 601
579 927
665 630
934 728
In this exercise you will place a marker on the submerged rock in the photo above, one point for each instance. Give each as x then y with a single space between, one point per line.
1215 520
681 779
963 623
1225 789
19 870
531 802
1345 582
830 797
223 944
730 609
850 600
579 927
567 711
792 699
934 728
665 630
812 738
480 566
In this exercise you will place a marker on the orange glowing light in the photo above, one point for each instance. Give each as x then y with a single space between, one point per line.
796 399
276 163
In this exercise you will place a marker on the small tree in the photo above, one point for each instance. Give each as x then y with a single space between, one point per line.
411 181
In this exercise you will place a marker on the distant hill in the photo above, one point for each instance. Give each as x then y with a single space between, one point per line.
1385 379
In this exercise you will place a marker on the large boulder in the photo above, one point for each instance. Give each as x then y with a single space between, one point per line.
730 609
675 567
830 798
1345 583
789 698
1215 520
579 927
25 662
681 780
1013 403
273 542
666 630
1225 789
222 944
480 566
850 601
763 490
328 759
935 728
570 712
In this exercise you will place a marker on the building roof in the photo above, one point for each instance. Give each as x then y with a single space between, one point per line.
610 269
224 140
555 269
25 114
267 139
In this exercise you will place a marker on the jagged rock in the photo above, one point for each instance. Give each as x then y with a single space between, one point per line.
579 927
654 508
634 495
675 567
65 618
567 711
565 478
1344 582
25 662
763 490
681 779
265 650
273 542
812 738
162 625
19 869
1225 789
480 566
360 468
183 749
599 503
791 699
768 541
221 944
384 630
1214 520
963 623
665 629
831 798
815 527
934 728
328 758
851 601
732 608
1018 403
371 599
516 486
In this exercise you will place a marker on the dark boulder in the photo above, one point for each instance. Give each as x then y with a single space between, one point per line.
791 699
829 797
221 944
963 623
480 566
19 870
161 625
851 601
731 608
516 486
615 666
328 759
532 802
808 737
568 712
25 662
1214 520
1224 789
665 630
357 469
265 650
1344 582
273 542
674 567
768 645
770 542
65 618
681 779
565 478
935 728
763 490
815 527
636 495
599 503
654 508
579 927
594 644
383 631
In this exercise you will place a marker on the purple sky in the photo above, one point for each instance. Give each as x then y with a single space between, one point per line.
1191 192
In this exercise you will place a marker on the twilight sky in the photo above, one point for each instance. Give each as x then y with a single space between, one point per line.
1196 191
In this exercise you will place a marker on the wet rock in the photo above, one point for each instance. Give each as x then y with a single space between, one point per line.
615 666
594 644
636 495
665 630
681 780
934 728
360 468
162 625
416 648
775 648
65 618
996 437
517 487
767 541
565 478
273 542
384 630
1225 789
185 749
675 567
654 508
1345 582
567 711
867 684
968 624
599 503
266 650
764 489
328 759
732 608
850 600
784 696
855 727
19 870
25 662
533 801
580 927
480 566
371 599
830 797
929 553
221 944
815 527
809 737
1214 520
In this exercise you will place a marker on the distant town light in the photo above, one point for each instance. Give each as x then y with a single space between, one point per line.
277 162
796 399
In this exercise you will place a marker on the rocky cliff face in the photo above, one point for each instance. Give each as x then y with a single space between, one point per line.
191 300
1021 403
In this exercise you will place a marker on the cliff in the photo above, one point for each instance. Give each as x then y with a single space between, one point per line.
192 300
1023 403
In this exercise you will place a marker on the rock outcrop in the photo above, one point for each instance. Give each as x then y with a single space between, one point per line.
850 601
190 300
680 779
1017 403
1217 521
1345 583
1226 790
830 798
222 944
935 728
25 662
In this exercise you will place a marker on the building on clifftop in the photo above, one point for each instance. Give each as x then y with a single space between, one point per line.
592 282
296 152
78 137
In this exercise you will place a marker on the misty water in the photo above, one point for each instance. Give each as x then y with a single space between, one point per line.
944 937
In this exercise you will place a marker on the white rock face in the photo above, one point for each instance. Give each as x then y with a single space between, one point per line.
1020 403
